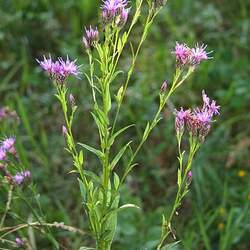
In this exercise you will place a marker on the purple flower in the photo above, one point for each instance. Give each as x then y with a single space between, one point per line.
111 8
19 242
199 120
91 37
8 145
180 119
199 54
123 17
210 105
69 67
46 64
182 53
64 131
2 154
60 69
19 178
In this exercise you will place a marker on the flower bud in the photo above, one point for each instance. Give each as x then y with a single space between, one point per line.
164 86
72 100
64 131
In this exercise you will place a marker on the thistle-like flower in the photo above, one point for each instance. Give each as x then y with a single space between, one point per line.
69 67
199 120
22 177
112 8
91 37
180 119
122 18
199 54
3 155
7 145
182 53
60 69
46 64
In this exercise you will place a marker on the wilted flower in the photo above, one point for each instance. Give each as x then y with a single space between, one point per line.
90 38
199 54
159 3
182 53
6 112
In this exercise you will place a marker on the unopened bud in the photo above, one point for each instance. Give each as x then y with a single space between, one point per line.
164 86
189 177
72 100
64 131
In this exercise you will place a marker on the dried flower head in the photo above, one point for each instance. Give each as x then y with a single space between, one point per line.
91 37
159 3
164 86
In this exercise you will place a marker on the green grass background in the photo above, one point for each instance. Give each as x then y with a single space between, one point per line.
215 215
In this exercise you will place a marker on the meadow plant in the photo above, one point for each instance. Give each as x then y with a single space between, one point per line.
100 191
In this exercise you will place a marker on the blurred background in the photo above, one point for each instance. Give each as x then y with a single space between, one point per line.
215 214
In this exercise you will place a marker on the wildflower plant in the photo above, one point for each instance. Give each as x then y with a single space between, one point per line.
100 190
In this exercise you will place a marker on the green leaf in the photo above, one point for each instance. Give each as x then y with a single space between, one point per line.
80 157
172 246
116 181
86 248
97 152
92 175
111 140
119 155
82 189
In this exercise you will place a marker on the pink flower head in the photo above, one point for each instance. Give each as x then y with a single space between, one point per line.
210 105
123 17
22 177
2 154
8 145
19 178
180 119
111 8
64 131
19 242
182 53
91 37
46 64
69 67
199 54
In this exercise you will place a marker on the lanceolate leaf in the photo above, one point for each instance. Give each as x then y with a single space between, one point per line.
111 140
119 155
97 152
